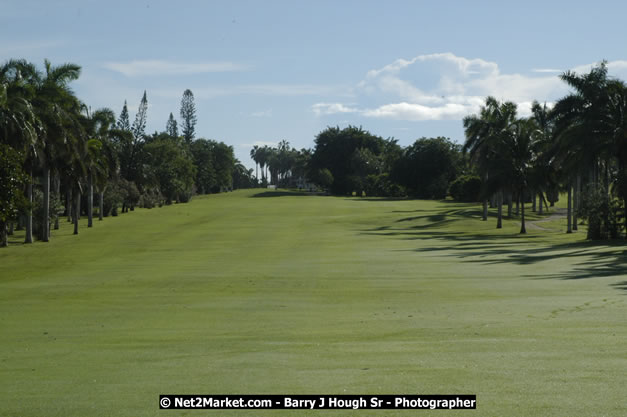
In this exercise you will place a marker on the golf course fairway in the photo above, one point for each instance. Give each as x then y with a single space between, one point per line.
256 292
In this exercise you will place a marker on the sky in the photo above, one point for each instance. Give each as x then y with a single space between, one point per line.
266 71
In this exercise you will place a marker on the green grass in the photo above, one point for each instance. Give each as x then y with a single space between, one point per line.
308 295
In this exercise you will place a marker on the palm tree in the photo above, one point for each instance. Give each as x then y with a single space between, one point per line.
20 94
19 126
97 128
583 142
615 124
253 155
57 109
519 143
484 142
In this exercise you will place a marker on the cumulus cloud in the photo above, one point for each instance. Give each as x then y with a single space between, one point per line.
444 86
158 67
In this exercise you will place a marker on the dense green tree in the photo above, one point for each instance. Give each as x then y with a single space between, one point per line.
201 150
172 168
335 150
428 167
12 180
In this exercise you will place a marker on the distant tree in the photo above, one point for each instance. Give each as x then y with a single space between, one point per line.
484 140
242 177
254 155
335 150
428 166
124 122
171 127
139 125
224 163
188 115
201 150
172 168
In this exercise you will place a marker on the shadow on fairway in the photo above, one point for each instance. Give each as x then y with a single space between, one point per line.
589 259
620 285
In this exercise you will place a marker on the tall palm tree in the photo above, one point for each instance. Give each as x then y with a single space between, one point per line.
97 127
583 142
484 142
20 94
616 130
19 125
254 157
519 144
57 108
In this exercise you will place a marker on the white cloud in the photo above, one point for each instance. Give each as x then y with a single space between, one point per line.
444 86
331 108
158 67
415 112
547 70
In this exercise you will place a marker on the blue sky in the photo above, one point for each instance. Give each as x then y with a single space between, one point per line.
263 71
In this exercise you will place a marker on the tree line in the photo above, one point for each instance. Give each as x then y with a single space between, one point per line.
578 147
55 154
60 158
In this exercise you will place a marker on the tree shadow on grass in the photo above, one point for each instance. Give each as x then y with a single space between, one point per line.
589 259
620 285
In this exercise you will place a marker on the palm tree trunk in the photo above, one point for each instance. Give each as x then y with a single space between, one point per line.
485 200
29 213
68 205
101 206
499 204
45 226
533 201
518 204
523 229
509 204
57 192
77 210
541 198
576 198
90 201
10 232
3 235
569 226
